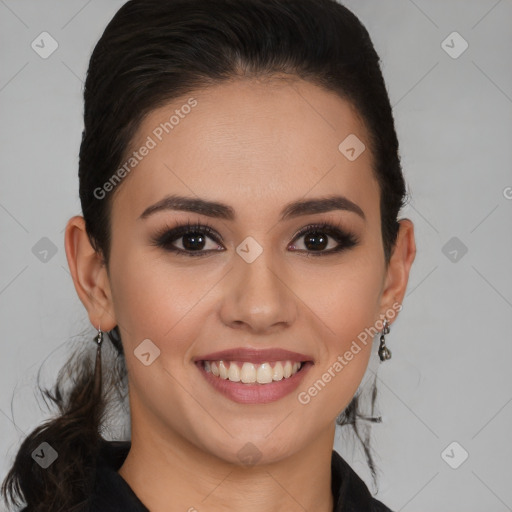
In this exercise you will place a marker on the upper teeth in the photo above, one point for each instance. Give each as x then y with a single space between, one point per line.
249 372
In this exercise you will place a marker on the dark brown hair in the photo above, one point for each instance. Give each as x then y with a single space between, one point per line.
154 51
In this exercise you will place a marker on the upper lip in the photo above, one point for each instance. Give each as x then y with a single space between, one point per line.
255 355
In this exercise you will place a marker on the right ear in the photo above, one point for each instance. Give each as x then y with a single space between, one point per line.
89 274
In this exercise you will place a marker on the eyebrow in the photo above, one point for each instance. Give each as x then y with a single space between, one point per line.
226 212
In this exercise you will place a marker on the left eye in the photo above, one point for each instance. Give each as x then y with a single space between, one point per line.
316 239
194 238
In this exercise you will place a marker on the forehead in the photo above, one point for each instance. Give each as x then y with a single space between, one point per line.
248 143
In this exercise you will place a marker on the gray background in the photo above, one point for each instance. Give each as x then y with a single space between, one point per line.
449 379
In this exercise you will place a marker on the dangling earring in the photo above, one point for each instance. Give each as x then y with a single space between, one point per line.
97 368
115 338
384 352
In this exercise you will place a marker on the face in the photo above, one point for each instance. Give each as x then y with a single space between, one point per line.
250 282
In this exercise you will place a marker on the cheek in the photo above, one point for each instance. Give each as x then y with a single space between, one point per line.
345 297
156 298
345 315
345 303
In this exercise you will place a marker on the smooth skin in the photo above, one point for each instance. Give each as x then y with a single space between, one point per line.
255 145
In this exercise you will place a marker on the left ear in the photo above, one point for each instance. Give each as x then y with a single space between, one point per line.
397 275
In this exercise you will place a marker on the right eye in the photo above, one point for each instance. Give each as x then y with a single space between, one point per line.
193 239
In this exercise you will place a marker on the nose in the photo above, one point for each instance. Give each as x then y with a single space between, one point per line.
257 296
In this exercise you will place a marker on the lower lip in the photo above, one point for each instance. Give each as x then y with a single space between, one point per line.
255 393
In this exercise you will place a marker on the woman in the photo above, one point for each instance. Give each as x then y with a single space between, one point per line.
240 244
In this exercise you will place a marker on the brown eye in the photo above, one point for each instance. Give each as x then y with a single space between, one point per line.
316 239
194 239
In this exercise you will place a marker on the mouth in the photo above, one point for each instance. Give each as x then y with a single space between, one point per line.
254 376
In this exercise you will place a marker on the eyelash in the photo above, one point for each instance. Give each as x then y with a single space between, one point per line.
166 236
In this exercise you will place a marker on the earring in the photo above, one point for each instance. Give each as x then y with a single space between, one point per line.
115 338
384 352
97 368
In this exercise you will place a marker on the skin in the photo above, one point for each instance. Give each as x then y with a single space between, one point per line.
237 147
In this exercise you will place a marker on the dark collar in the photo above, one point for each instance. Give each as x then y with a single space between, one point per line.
113 494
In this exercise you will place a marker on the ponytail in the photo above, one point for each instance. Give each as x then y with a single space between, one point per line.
54 468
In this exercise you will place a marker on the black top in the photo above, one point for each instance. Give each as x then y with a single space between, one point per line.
113 494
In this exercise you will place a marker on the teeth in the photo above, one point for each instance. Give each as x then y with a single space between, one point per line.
264 373
249 373
223 370
278 373
287 369
234 373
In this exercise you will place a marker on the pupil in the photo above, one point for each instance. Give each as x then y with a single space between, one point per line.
192 238
318 235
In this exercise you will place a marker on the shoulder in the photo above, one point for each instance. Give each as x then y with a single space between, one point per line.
111 492
350 493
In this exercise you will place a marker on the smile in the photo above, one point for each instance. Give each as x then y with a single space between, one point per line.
254 376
